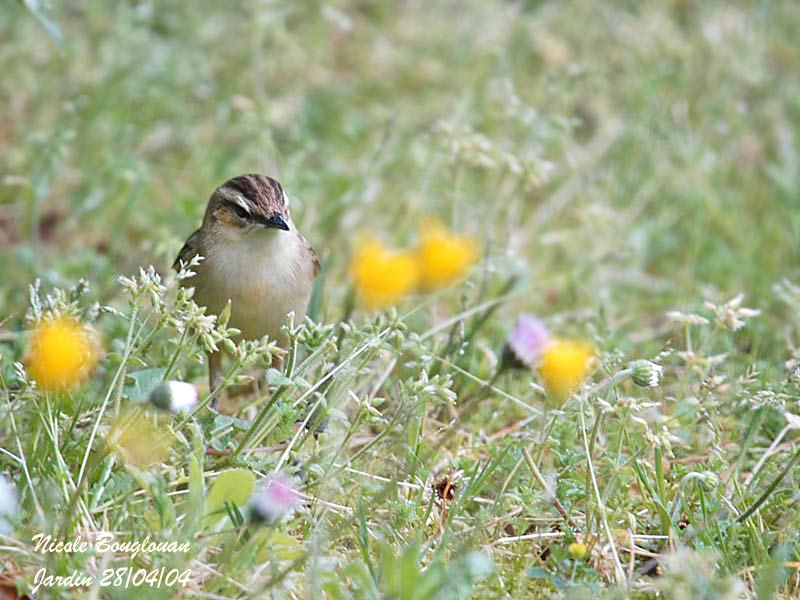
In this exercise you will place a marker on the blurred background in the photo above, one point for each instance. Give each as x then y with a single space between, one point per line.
611 161
625 156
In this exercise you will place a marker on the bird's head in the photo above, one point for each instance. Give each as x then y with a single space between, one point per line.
248 203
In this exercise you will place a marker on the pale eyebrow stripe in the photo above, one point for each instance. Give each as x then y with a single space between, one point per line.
236 197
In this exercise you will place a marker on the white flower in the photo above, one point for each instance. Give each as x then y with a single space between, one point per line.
174 396
792 421
679 318
8 505
128 283
732 315
645 373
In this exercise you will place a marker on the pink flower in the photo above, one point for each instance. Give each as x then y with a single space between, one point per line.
526 344
277 498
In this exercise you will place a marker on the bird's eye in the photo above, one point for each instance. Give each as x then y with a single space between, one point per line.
240 211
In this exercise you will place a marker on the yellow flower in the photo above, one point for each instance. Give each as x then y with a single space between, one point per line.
382 277
136 440
564 366
62 353
577 550
443 256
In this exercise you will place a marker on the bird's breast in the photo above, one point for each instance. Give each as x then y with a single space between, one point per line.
265 276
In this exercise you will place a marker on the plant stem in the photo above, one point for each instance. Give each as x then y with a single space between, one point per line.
548 491
772 486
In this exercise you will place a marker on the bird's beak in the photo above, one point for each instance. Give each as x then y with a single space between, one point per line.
276 221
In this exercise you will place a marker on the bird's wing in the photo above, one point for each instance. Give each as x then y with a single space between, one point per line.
317 267
190 249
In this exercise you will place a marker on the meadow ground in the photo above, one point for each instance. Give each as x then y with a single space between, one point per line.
625 171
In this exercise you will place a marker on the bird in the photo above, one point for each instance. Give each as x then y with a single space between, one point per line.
254 258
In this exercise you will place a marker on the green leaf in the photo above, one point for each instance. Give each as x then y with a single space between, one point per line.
234 486
538 573
275 378
139 384
317 297
772 574
462 574
409 575
284 547
196 489
37 10
334 414
223 429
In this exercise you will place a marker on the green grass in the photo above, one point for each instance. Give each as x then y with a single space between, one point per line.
614 161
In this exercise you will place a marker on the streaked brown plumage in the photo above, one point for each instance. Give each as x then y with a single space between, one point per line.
253 257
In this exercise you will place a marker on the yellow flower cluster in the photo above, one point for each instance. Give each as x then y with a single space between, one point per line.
442 256
577 550
383 277
62 353
565 365
137 440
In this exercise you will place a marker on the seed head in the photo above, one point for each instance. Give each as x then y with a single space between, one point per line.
645 373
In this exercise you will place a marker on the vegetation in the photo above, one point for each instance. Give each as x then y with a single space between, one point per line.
627 172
